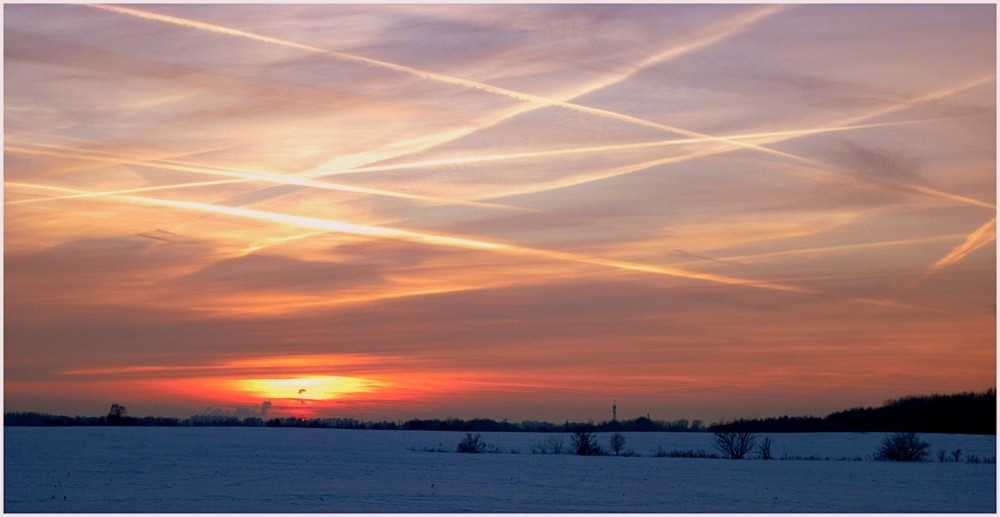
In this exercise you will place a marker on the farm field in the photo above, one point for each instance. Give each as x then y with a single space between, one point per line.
217 469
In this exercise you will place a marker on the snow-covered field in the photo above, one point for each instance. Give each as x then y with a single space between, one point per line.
79 469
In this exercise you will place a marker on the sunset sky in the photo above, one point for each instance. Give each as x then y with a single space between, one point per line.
501 211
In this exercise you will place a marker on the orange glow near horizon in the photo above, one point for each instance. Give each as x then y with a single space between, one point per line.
696 210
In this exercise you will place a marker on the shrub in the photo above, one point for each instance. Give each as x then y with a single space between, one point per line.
617 443
660 453
765 449
735 445
472 444
902 447
554 445
585 444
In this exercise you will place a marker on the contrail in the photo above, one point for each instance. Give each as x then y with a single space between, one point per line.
730 27
540 102
719 33
782 135
433 239
843 247
896 305
600 175
285 306
983 235
791 133
457 242
947 195
254 176
815 163
774 137
275 242
124 191
932 96
194 167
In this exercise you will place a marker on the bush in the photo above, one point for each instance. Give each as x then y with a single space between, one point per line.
472 444
554 445
735 445
660 453
617 443
902 447
765 449
585 444
476 445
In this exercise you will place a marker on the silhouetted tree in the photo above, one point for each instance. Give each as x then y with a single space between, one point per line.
736 445
116 416
585 443
902 447
472 444
617 443
765 449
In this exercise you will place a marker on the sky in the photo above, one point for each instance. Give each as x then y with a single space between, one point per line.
527 212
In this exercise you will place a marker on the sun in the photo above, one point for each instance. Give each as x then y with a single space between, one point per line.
324 387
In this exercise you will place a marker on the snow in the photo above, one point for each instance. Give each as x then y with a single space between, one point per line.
216 469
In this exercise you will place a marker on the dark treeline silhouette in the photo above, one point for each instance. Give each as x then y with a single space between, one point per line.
451 424
640 424
44 419
962 413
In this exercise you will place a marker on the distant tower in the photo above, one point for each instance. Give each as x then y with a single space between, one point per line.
614 411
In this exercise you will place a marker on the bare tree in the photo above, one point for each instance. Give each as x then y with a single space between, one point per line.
585 443
765 449
902 447
617 443
736 445
554 445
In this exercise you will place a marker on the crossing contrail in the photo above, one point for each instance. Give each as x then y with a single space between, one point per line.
431 239
790 133
742 23
249 176
187 166
917 189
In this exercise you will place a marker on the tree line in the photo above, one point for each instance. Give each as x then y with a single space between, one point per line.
964 413
118 418
961 413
